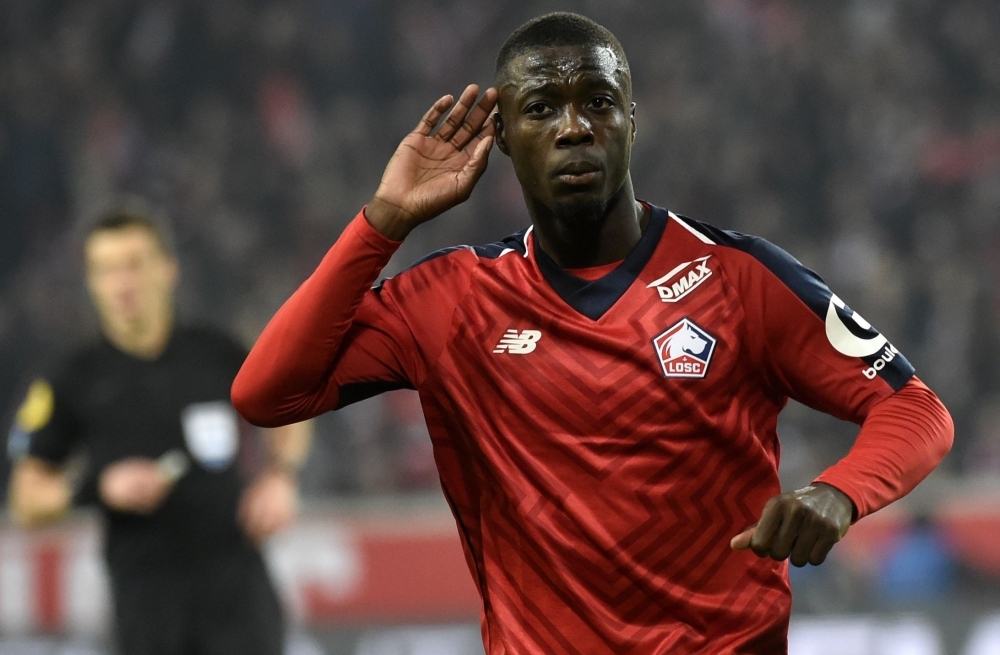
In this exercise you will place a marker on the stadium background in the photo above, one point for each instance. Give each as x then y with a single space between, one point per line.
862 136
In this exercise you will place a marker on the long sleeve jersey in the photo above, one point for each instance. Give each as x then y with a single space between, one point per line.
600 440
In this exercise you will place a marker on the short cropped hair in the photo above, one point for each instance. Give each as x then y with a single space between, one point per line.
126 217
560 28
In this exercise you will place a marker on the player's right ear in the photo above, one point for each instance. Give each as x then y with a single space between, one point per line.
499 138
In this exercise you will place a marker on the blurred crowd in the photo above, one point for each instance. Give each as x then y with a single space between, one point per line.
863 136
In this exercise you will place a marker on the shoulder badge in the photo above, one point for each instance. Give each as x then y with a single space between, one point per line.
36 410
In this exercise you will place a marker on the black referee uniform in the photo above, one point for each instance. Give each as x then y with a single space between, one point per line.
185 579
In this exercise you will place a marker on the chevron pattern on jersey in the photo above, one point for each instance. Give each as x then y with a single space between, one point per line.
594 496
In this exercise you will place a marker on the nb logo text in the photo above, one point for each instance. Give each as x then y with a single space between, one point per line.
518 343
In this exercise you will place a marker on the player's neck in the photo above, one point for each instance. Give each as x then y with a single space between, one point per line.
145 338
582 244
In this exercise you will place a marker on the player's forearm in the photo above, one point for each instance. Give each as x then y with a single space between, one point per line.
288 368
902 440
38 493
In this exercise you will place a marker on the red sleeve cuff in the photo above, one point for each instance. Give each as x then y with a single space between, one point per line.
903 438
285 377
372 236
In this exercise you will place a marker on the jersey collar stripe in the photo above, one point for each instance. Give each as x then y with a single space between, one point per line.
526 248
593 298
701 237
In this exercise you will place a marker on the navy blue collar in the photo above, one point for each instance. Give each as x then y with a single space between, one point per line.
593 298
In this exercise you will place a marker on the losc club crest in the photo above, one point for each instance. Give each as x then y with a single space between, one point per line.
685 350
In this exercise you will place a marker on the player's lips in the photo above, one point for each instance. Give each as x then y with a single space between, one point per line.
578 173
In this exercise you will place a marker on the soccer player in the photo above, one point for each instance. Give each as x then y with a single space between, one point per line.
602 388
149 406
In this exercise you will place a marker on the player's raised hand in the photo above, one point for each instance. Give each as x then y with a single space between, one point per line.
801 526
434 170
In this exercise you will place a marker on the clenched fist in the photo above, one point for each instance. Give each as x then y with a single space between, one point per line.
801 526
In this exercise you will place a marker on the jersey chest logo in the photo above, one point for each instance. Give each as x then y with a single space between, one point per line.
682 280
685 350
518 343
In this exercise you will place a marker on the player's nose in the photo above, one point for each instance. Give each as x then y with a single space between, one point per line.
574 128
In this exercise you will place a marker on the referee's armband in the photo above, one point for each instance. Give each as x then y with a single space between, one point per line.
33 415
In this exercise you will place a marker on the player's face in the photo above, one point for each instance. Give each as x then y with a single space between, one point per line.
130 279
567 124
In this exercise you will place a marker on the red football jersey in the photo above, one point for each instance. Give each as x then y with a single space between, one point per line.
599 441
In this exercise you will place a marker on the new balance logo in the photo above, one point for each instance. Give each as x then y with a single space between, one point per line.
518 343
689 276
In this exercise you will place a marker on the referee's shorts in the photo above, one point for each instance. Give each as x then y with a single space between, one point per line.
226 608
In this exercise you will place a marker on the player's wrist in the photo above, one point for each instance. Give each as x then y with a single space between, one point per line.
388 219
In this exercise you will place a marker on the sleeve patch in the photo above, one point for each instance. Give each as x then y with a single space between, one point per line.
848 333
36 410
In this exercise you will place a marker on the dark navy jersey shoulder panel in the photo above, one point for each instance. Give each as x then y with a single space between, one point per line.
804 283
810 288
513 242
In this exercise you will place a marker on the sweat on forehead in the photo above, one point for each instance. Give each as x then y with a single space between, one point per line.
562 63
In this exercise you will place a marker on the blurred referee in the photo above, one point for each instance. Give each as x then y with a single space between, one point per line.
148 406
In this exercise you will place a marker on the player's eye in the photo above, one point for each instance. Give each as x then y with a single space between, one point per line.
536 109
601 102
